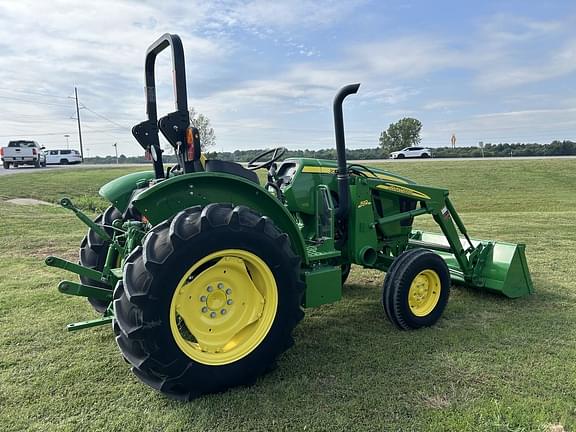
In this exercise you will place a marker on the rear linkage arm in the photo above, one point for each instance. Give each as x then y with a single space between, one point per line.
108 276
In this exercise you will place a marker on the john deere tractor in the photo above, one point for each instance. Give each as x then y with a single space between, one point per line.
204 272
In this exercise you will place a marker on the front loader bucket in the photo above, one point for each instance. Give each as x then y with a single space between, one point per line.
501 267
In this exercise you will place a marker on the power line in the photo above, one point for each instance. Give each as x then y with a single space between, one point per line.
34 134
104 131
34 93
32 102
104 117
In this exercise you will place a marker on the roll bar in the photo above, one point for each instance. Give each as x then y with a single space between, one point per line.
179 80
175 124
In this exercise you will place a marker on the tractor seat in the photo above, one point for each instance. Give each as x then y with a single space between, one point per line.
215 165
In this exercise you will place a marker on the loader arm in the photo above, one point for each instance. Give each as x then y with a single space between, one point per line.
493 265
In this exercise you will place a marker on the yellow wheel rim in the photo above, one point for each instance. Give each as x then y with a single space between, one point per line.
223 307
424 292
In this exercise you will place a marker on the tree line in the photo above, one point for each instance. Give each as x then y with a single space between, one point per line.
403 133
555 148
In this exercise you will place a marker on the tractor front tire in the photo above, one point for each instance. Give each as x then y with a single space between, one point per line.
93 252
6 165
416 289
208 302
345 268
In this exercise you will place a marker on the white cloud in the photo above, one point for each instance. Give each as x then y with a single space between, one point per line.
100 47
539 125
289 14
445 104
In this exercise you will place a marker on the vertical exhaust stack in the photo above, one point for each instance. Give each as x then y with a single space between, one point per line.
342 171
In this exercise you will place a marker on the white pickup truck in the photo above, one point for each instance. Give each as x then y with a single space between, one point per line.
22 153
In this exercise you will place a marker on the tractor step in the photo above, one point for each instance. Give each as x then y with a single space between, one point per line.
314 254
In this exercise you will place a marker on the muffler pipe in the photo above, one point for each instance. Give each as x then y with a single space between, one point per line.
342 171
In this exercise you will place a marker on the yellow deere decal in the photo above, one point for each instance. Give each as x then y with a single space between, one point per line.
318 170
403 190
327 170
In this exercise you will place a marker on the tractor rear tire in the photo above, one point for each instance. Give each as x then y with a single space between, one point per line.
416 289
179 319
93 252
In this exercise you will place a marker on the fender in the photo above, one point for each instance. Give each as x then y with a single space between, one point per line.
168 197
120 190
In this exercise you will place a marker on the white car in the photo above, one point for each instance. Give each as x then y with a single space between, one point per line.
411 152
62 157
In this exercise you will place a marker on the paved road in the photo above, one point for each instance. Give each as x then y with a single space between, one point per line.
30 169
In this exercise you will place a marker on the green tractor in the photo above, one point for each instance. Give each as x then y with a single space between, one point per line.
204 272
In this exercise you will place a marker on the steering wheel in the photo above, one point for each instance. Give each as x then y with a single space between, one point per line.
276 153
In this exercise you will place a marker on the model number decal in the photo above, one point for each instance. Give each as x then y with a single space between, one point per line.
364 203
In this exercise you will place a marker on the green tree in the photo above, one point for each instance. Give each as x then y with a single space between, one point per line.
202 123
403 133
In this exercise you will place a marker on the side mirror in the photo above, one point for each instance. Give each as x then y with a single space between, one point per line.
42 148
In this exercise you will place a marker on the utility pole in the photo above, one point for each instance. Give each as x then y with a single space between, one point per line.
115 145
79 128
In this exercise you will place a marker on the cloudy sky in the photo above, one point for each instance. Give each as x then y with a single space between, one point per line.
265 72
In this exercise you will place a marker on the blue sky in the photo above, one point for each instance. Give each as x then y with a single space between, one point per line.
265 72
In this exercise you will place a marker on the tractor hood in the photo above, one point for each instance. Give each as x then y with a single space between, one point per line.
324 166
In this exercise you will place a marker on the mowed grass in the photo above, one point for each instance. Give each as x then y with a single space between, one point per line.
491 364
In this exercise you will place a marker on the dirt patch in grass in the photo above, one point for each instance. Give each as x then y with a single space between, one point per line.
60 252
436 401
28 201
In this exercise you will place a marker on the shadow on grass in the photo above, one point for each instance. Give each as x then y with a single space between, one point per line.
347 356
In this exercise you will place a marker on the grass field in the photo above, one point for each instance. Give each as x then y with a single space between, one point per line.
491 364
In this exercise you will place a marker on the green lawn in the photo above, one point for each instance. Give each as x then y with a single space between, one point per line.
491 364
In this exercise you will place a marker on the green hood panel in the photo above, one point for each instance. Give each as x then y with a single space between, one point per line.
119 191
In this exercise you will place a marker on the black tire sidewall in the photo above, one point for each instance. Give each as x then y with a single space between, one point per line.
407 274
167 277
